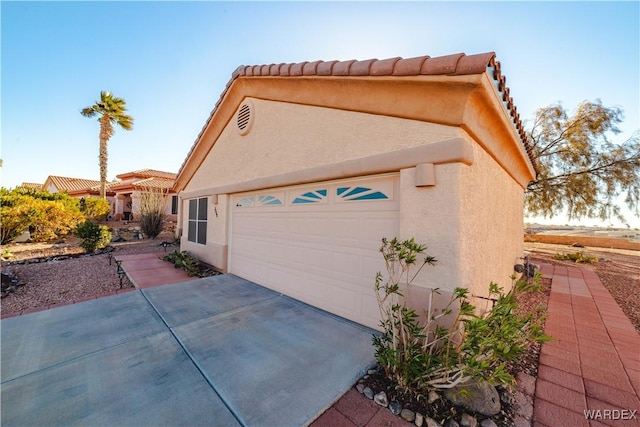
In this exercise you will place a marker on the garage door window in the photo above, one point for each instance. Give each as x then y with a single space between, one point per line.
198 221
359 193
317 196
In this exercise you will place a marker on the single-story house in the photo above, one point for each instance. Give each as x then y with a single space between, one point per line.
123 194
128 190
31 186
77 187
301 169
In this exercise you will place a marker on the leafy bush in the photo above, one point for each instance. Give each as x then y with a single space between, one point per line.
48 215
17 212
152 212
94 236
95 208
576 257
184 261
421 353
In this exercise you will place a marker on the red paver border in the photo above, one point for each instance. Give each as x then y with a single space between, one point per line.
593 362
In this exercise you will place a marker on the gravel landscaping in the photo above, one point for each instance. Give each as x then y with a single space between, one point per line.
59 273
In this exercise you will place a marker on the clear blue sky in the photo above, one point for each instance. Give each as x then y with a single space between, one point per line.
171 60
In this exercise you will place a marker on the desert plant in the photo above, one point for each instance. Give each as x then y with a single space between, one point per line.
420 353
94 236
184 261
577 257
48 215
151 211
94 208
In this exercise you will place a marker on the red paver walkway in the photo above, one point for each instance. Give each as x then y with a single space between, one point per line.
147 270
593 363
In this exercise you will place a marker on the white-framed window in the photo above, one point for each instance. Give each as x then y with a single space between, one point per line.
198 221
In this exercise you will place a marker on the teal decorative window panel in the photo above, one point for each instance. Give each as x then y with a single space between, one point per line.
269 201
317 196
351 194
245 202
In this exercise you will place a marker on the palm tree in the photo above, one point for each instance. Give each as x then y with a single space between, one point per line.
110 110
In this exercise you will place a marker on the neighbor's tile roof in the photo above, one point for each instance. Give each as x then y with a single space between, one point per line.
450 65
148 173
63 183
154 183
31 185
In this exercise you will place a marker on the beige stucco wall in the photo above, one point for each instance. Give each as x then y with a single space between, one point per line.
471 220
491 226
431 216
286 137
215 251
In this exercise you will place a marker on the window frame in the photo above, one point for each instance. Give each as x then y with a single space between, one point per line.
197 220
174 204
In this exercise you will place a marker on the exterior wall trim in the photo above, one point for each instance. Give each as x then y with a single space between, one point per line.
455 150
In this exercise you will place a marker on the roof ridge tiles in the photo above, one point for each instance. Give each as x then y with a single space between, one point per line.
384 67
457 64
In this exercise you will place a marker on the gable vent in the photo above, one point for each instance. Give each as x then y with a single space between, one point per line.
244 117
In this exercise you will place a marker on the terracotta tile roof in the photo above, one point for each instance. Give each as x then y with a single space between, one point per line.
70 185
141 184
148 173
154 183
451 65
31 185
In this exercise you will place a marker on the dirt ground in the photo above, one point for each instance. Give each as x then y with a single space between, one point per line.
618 269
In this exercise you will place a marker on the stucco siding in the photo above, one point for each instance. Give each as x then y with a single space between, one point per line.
214 252
431 215
491 227
288 137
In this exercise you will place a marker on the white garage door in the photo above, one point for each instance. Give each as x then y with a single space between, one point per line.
318 243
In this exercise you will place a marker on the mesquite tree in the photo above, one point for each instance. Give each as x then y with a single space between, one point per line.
582 171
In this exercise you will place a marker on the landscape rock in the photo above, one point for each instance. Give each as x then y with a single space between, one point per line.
433 396
451 423
481 398
526 383
408 415
524 404
368 392
381 399
431 422
395 408
488 423
360 388
419 419
467 420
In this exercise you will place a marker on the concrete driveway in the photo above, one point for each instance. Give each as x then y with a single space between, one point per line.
219 351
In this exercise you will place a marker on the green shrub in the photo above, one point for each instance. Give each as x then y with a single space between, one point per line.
423 354
95 208
152 212
94 236
576 257
17 212
184 261
49 216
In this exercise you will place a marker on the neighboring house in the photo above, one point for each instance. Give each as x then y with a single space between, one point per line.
124 194
31 186
77 187
301 169
132 184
